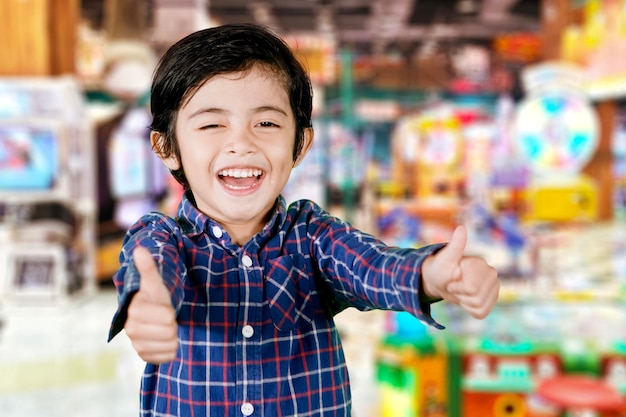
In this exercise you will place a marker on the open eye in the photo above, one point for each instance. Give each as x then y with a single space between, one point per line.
267 123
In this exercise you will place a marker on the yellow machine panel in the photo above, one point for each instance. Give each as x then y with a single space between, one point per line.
562 201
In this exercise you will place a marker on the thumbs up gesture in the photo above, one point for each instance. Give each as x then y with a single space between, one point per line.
151 323
464 280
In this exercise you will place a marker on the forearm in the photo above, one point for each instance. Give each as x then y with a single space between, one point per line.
163 242
365 273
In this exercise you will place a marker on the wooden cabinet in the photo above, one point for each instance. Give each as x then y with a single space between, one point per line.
38 37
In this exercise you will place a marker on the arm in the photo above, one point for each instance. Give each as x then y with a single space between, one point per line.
149 284
365 273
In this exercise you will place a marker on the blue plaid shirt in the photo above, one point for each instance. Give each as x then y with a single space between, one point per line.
256 330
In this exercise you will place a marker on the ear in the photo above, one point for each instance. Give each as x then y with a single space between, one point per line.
307 141
170 161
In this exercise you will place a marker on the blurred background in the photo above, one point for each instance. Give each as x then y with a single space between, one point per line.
508 116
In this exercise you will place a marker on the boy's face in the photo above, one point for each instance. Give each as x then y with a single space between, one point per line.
236 137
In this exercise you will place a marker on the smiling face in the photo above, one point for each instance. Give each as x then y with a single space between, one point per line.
236 137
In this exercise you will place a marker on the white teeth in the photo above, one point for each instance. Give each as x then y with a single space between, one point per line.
240 173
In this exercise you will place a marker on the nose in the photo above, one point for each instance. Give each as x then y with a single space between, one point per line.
241 142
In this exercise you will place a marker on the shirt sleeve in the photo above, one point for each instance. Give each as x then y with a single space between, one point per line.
162 237
365 273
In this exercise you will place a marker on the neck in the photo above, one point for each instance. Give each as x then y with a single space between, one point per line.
241 234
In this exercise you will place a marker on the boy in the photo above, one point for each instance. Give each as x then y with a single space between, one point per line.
231 303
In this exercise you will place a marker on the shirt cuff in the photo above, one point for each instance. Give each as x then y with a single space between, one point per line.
426 314
131 286
426 301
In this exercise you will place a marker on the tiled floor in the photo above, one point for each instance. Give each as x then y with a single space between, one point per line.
55 361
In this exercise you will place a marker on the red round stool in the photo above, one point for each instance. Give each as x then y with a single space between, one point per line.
580 392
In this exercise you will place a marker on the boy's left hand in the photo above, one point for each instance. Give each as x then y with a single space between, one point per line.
464 280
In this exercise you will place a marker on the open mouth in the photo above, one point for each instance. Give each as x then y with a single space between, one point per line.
240 179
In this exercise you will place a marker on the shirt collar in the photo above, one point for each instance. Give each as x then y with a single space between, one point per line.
192 220
195 222
277 220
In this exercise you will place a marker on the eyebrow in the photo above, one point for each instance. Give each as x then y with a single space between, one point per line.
207 110
219 110
269 108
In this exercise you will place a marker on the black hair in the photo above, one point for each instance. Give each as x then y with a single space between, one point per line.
198 57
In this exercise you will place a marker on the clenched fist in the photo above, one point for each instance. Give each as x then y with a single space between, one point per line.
151 323
464 280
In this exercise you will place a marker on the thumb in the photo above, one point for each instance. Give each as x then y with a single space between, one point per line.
151 282
453 252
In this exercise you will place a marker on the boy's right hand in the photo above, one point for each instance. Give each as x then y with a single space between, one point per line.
151 323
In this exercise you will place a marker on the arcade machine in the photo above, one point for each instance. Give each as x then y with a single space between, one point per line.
556 133
515 365
508 355
412 375
427 152
538 160
47 209
431 142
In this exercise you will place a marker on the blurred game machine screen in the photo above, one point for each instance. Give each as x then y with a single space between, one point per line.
31 160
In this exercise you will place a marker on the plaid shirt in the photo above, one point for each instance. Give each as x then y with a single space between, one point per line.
256 329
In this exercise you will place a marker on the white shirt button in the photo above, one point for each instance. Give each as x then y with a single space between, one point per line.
246 260
247 331
217 232
247 409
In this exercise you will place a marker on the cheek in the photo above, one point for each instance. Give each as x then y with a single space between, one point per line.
195 160
282 157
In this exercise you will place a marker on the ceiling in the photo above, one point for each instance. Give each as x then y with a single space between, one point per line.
378 26
370 27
